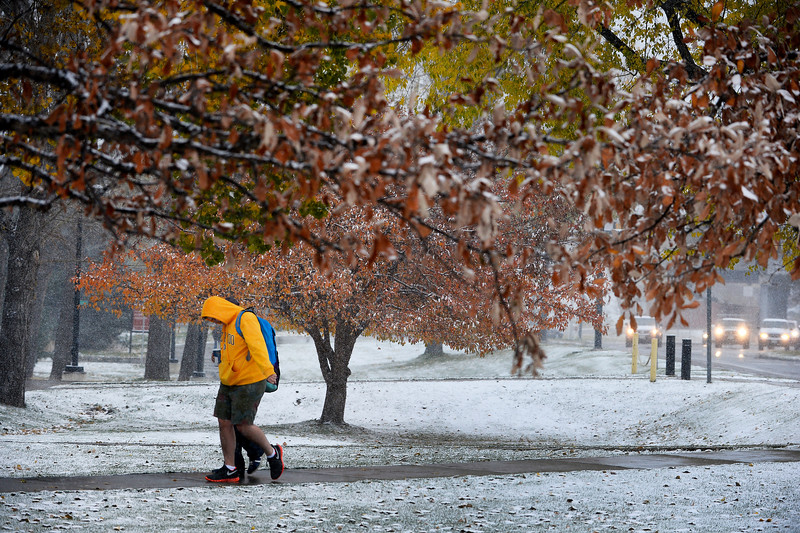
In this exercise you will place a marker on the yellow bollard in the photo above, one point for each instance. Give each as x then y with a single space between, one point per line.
653 359
634 361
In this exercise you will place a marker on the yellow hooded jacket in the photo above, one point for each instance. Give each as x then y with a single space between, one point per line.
234 368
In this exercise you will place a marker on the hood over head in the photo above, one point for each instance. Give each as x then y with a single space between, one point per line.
221 309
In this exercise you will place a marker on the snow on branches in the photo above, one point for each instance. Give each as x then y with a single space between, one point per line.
200 122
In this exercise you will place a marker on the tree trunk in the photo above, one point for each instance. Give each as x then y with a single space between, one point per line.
38 340
25 227
63 344
201 349
3 262
433 349
333 361
20 295
173 333
156 363
190 350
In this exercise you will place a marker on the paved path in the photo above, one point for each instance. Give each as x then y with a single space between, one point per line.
349 474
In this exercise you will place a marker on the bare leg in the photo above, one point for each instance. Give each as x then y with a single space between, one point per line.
227 439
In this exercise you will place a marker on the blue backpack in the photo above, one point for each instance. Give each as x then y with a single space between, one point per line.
269 338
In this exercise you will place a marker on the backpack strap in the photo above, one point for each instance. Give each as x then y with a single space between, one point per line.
275 363
239 327
239 321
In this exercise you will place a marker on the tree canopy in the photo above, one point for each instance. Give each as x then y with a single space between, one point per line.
196 121
419 294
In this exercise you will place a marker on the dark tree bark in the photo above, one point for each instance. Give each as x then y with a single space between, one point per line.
26 227
695 72
156 364
3 264
201 349
635 62
173 330
333 361
63 344
673 9
24 235
38 340
194 336
433 349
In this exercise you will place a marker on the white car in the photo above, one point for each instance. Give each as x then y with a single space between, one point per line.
646 328
732 331
778 332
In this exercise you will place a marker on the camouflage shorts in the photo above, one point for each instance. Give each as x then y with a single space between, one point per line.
239 403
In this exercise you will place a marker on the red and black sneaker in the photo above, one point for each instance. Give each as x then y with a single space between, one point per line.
224 475
276 462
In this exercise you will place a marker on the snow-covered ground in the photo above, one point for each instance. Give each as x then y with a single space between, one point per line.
407 410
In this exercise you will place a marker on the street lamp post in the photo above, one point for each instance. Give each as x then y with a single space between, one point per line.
76 312
708 333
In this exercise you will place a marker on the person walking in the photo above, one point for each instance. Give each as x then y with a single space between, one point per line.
244 371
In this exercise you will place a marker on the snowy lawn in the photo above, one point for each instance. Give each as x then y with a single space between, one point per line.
406 410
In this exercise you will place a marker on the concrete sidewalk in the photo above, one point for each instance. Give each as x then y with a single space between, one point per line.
350 474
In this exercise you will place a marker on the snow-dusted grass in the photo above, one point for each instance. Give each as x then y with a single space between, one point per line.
406 410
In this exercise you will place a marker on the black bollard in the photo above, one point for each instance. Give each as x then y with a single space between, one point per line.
670 355
686 359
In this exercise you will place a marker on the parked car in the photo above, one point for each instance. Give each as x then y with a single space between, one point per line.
732 330
646 328
778 332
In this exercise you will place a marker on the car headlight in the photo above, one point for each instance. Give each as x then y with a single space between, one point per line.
654 332
795 333
631 331
763 336
719 331
742 332
784 337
